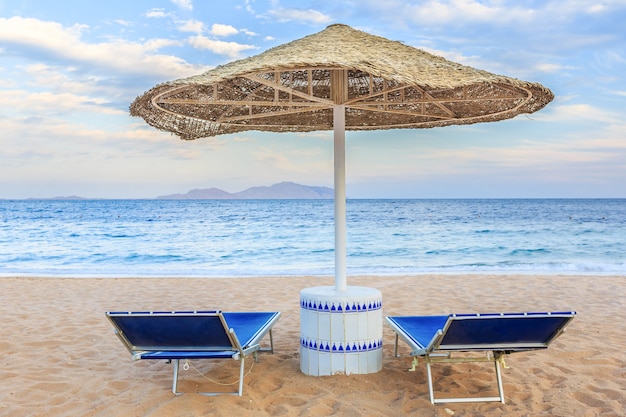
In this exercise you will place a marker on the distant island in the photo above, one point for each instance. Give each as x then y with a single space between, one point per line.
280 191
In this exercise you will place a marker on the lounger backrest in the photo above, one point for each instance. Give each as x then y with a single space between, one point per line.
502 331
173 331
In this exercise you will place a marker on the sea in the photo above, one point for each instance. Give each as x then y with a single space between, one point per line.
257 238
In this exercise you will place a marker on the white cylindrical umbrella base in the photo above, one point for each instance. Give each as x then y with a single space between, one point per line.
341 332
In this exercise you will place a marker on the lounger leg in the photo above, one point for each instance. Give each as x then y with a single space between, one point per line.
496 359
271 342
499 376
395 349
271 348
241 369
430 381
175 378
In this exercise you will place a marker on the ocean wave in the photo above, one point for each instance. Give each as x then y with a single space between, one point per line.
162 267
529 252
269 238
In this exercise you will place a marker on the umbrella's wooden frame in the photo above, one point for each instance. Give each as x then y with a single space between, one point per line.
302 100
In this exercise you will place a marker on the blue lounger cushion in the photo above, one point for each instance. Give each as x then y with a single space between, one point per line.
204 332
435 338
500 331
419 329
191 335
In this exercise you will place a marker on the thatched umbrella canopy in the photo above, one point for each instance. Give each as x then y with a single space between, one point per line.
293 87
341 79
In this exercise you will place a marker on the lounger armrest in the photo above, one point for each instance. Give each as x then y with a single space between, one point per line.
236 343
124 342
431 345
251 349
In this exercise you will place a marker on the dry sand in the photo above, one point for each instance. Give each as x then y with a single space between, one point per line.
61 358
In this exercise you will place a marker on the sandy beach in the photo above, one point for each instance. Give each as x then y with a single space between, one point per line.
60 356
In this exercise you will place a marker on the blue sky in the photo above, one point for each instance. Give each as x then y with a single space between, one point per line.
69 70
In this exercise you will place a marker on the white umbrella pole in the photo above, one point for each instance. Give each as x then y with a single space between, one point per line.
339 124
325 332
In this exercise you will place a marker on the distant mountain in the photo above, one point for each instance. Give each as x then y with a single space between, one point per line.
203 194
281 191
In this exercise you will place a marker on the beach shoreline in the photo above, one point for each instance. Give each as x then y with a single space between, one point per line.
61 357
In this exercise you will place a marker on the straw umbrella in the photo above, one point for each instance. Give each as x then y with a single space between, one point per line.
338 79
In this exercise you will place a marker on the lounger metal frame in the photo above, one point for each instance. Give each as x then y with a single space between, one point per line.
439 349
174 352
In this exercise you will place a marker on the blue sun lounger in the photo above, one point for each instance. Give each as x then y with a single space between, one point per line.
191 335
435 338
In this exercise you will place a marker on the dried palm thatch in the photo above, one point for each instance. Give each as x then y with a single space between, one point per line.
293 87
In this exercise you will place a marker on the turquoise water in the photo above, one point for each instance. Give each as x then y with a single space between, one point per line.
234 238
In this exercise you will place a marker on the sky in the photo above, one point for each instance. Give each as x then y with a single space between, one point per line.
69 70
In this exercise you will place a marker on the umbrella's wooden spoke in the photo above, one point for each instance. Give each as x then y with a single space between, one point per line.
268 114
200 102
289 90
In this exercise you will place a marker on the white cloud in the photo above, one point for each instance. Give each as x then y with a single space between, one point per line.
37 104
596 8
298 163
231 49
223 30
525 15
64 44
34 32
192 25
580 113
551 68
249 32
299 15
184 4
273 157
55 79
248 6
7 83
443 12
156 13
156 44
